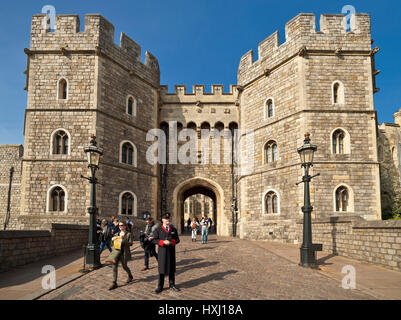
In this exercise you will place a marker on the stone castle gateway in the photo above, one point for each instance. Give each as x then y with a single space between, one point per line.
81 84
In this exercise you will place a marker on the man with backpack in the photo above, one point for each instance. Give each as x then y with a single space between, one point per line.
129 224
105 236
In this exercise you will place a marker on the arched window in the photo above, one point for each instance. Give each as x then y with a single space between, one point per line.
271 203
180 127
191 125
338 141
342 199
128 153
233 126
271 152
60 140
337 92
219 126
62 89
131 106
56 199
205 126
127 204
269 108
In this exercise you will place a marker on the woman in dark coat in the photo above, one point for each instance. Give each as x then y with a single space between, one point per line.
125 240
166 237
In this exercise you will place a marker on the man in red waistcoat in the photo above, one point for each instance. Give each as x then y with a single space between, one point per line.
166 237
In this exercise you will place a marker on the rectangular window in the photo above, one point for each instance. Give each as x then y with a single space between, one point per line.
65 151
124 155
55 203
58 151
62 202
130 152
269 154
270 108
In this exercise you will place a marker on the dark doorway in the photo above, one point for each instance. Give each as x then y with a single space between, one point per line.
199 201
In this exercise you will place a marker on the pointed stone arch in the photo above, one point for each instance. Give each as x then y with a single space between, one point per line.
178 202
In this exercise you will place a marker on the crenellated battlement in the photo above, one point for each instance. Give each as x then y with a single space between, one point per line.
300 32
98 35
198 94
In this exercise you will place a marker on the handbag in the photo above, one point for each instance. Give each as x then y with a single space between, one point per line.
113 256
117 242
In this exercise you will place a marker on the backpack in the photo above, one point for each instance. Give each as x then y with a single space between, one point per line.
129 226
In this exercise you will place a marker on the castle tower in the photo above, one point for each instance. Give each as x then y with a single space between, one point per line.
210 174
319 82
80 83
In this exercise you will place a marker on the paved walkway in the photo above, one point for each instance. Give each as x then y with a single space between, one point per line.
225 268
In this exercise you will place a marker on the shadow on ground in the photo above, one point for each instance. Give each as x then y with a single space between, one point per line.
32 271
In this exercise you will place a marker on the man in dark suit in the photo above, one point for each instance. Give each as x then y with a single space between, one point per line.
166 237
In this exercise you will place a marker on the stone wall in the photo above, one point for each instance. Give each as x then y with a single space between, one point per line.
377 242
10 157
22 247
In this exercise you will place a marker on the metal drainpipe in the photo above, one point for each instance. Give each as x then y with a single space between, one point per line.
232 184
7 218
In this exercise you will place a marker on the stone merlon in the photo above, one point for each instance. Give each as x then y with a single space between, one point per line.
98 34
199 94
301 32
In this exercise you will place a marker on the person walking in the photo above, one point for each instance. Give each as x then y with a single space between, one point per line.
189 223
115 229
205 229
105 236
194 228
166 237
210 224
129 224
122 241
149 246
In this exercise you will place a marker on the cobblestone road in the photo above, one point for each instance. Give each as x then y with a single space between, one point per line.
224 268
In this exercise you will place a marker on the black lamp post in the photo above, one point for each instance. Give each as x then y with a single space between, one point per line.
93 155
308 256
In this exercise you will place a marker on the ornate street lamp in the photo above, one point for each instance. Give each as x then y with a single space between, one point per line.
93 156
308 250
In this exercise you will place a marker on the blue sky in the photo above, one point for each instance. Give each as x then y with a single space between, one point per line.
196 42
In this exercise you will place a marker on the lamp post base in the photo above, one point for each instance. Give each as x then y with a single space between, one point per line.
92 257
308 257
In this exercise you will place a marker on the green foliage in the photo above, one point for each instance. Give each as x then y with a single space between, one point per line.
395 213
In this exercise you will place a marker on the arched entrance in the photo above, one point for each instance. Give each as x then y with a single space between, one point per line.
207 187
200 201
